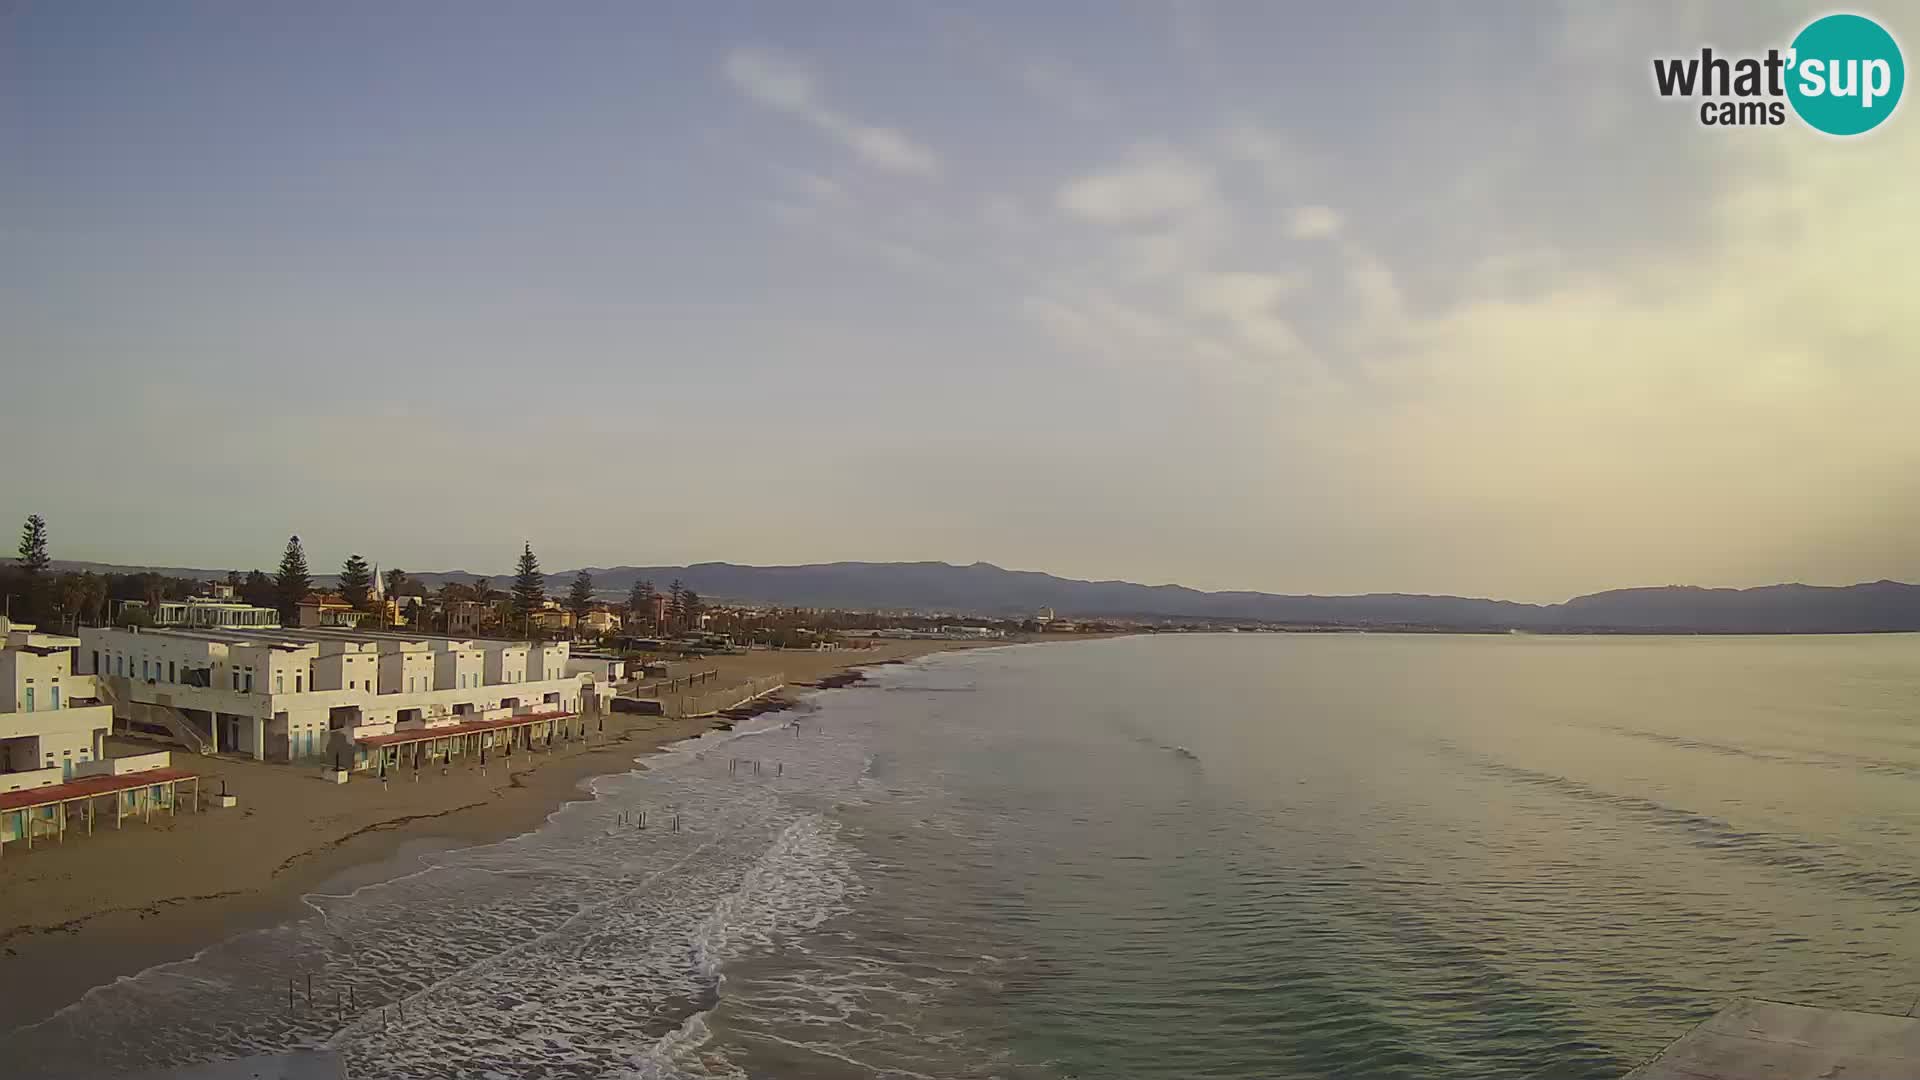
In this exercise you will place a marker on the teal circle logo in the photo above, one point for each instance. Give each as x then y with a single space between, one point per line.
1846 74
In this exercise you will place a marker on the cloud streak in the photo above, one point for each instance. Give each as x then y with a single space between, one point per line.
783 84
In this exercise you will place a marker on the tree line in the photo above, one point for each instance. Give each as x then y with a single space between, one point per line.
34 593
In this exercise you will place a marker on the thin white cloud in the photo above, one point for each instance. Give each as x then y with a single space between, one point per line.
1154 186
1249 304
1312 222
785 85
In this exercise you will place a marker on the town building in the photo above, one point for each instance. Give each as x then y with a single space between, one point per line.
50 718
54 768
321 693
211 613
466 618
601 622
328 611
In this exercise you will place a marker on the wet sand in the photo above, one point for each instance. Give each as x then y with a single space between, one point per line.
80 914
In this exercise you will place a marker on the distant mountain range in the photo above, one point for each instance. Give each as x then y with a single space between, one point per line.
985 589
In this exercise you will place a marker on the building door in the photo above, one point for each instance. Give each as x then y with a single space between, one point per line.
28 707
53 697
66 771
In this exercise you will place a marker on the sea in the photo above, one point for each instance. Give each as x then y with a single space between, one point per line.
1229 855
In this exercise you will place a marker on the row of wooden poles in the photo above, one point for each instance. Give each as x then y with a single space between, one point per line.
343 1002
638 819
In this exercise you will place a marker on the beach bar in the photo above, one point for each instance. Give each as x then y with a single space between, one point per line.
415 747
41 812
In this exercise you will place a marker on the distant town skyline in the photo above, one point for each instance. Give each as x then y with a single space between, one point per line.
1079 288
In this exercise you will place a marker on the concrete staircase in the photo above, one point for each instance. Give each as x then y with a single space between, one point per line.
114 691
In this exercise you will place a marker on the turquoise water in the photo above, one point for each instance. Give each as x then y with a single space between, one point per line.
1229 856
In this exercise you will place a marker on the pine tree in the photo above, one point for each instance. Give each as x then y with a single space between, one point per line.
677 603
580 596
356 583
257 589
33 545
33 564
293 583
529 587
640 603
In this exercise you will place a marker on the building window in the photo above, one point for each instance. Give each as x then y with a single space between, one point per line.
236 680
170 677
279 683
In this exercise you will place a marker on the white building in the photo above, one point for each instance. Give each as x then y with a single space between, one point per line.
320 693
50 721
603 668
209 613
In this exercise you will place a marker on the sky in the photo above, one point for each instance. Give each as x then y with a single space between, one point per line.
1300 298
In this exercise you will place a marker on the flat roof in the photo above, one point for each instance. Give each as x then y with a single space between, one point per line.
87 787
471 727
219 635
299 635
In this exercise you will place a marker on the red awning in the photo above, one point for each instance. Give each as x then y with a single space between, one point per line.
87 787
471 727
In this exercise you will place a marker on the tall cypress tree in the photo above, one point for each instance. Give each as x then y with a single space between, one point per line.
529 587
293 583
356 583
640 603
34 564
677 603
580 596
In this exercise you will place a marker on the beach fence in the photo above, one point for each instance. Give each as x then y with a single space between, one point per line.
731 697
684 698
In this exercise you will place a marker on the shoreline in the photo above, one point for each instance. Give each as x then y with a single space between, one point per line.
85 914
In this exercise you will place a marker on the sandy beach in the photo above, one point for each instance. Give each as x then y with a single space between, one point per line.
80 914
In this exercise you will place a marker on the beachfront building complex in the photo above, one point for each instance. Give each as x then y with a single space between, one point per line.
55 772
50 719
329 694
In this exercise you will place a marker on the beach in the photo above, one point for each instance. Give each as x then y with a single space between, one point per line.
95 908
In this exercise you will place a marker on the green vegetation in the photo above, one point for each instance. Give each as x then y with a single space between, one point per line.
356 583
294 583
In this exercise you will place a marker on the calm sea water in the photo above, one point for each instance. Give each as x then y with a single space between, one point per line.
1225 856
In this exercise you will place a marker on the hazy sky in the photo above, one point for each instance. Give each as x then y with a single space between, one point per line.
1336 298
